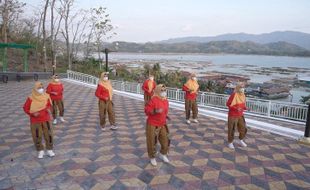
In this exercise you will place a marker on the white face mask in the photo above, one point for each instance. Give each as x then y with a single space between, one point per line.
194 78
56 80
40 90
163 94
242 90
105 78
151 78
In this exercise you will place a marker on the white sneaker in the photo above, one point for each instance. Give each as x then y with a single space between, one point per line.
195 121
50 153
40 154
113 127
242 143
153 162
164 158
102 128
54 121
231 146
188 121
62 119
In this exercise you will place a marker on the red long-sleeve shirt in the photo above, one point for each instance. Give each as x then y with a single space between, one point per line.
188 94
145 87
235 110
58 88
102 93
43 114
157 119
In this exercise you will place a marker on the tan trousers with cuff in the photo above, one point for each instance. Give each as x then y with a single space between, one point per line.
39 129
191 105
239 123
58 104
153 134
147 98
104 108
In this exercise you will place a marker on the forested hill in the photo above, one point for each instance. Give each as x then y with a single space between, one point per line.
214 47
298 38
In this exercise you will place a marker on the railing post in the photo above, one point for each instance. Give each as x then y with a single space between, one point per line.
177 95
202 98
123 86
138 88
269 109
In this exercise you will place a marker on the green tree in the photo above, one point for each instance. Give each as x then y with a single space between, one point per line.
100 27
147 70
156 71
174 79
203 86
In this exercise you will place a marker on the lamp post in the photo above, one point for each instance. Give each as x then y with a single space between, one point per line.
306 138
107 51
307 130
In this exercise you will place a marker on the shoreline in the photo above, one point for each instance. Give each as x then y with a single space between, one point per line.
208 54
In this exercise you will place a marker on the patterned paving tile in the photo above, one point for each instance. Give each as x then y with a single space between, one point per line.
88 158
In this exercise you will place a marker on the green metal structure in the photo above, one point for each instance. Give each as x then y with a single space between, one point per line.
3 54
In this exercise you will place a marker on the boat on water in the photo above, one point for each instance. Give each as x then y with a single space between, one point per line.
275 93
268 90
304 81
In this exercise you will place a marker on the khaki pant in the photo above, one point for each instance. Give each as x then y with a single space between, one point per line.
152 135
104 107
191 105
58 104
234 122
39 129
147 98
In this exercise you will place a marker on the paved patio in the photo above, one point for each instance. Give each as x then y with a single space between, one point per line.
87 158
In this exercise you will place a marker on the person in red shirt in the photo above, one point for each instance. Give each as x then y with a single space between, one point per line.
191 89
236 105
38 107
55 90
148 88
104 93
156 125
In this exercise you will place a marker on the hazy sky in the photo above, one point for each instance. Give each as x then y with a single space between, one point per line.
154 20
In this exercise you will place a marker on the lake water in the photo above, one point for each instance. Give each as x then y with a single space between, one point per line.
258 60
237 64
257 67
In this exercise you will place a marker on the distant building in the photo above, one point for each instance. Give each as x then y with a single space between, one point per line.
185 73
228 81
225 78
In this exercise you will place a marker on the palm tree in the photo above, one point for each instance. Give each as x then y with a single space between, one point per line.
156 71
146 70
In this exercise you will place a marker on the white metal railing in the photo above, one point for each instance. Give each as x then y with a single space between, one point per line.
267 108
